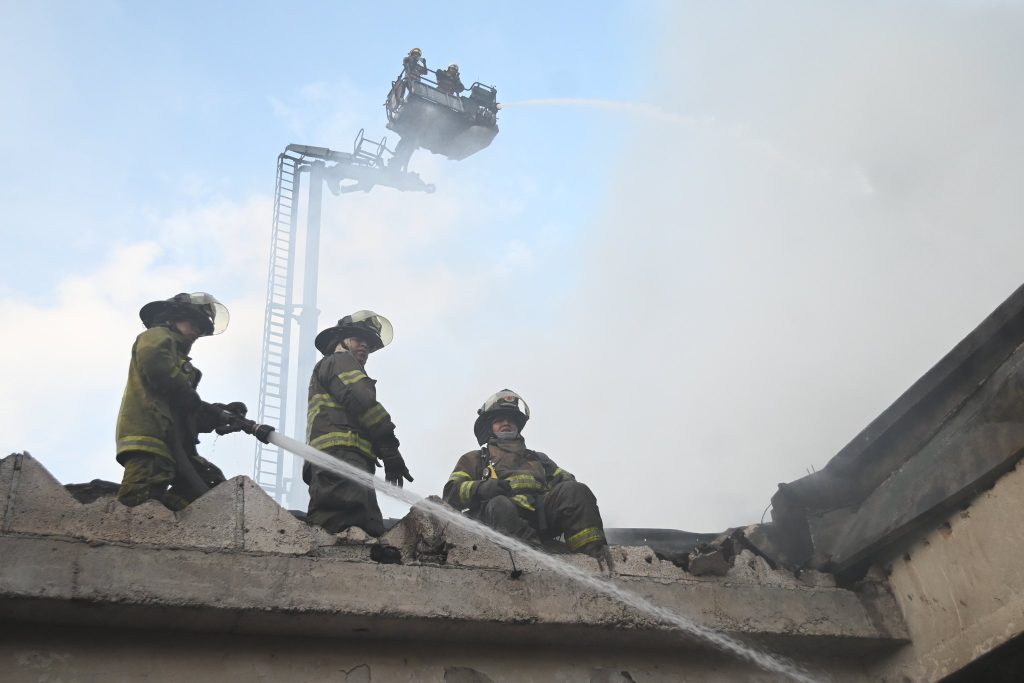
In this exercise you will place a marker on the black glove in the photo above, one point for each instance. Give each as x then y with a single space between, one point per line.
492 488
237 407
228 416
394 467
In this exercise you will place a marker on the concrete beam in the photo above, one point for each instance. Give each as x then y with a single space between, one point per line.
61 580
905 429
960 586
976 445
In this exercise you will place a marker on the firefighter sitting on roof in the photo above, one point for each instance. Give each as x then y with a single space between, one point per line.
520 492
448 80
414 65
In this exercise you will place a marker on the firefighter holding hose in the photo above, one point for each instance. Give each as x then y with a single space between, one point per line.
161 413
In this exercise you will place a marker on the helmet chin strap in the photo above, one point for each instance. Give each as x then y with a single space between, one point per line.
507 436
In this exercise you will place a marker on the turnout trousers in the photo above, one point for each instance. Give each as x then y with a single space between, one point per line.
569 508
337 503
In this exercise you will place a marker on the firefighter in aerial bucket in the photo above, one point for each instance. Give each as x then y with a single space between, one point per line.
448 80
161 413
345 420
521 492
414 65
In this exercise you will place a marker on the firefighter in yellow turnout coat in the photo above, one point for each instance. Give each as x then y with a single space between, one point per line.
161 413
520 492
345 420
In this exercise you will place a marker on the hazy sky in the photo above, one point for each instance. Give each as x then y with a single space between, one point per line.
769 222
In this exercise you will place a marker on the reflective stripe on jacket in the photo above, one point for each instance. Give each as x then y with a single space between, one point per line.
160 400
343 412
529 472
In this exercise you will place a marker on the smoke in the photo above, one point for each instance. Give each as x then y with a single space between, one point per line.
813 204
756 291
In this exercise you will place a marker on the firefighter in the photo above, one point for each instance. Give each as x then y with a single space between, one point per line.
414 65
520 492
449 82
345 420
161 413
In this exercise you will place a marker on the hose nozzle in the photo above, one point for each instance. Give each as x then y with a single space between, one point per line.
261 432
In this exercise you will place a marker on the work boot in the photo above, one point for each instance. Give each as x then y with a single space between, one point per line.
172 501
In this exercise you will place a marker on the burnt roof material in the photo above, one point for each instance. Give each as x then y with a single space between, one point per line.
948 437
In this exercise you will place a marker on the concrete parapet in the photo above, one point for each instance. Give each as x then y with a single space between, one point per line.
237 515
235 553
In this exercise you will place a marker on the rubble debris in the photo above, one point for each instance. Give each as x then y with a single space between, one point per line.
419 536
385 554
713 558
93 490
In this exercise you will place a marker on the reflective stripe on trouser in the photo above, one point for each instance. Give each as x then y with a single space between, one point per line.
336 503
144 444
571 508
524 502
585 537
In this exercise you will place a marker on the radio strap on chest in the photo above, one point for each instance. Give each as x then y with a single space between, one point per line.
486 465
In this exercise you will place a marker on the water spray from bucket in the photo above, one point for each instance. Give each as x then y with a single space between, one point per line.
639 108
599 584
741 134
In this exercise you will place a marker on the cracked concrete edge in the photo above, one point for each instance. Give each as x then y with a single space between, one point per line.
284 592
236 515
8 465
239 516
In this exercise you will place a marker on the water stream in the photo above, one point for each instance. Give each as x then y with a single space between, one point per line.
640 108
597 583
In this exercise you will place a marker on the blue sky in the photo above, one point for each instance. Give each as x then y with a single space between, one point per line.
763 225
170 105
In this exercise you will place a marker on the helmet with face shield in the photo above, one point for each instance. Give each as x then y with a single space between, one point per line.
374 328
505 403
202 309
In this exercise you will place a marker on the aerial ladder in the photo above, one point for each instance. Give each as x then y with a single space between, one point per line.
453 125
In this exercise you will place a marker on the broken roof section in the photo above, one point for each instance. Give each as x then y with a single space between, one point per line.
947 438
